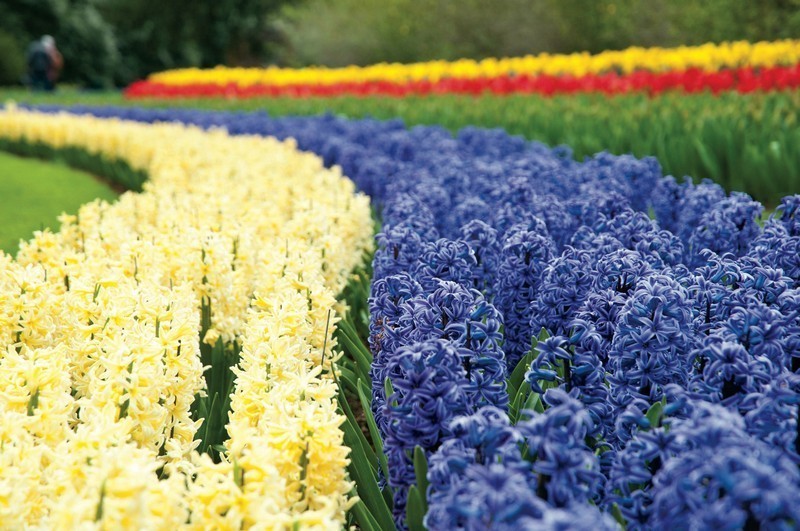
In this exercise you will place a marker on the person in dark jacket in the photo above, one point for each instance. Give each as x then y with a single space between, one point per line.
56 61
38 66
44 64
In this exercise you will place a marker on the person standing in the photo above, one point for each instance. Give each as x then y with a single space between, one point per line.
39 63
56 62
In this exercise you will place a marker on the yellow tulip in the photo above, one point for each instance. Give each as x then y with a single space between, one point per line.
708 57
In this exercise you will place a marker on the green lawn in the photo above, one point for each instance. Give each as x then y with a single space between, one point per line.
35 193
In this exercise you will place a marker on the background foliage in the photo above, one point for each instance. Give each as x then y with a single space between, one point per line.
340 32
12 62
113 42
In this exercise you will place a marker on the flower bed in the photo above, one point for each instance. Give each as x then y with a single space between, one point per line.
743 80
739 66
232 255
733 139
662 389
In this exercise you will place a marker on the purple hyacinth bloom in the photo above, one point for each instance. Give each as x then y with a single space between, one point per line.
429 385
398 251
729 227
562 289
524 256
567 470
742 484
652 342
779 249
788 213
485 245
491 496
576 517
451 260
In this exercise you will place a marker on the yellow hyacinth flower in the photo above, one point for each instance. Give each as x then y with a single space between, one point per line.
100 336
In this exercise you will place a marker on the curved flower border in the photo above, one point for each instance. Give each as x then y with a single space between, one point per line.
100 327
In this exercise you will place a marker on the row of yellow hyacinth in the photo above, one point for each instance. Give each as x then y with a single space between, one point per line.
100 322
708 57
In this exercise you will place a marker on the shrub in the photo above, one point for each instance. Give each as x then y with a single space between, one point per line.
12 60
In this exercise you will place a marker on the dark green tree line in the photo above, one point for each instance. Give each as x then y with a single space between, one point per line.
114 42
339 32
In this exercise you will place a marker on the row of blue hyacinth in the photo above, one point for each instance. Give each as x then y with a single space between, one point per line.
665 389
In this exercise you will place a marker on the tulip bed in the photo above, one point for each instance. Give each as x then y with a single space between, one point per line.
195 315
690 81
545 354
739 66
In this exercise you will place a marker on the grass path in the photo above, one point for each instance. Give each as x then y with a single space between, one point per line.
34 193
